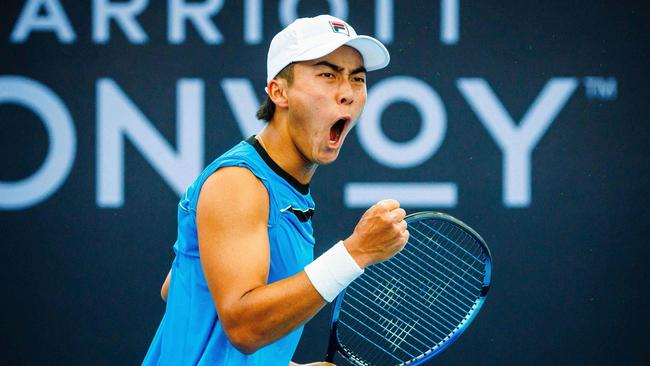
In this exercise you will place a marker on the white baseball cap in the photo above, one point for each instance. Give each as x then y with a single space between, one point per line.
311 38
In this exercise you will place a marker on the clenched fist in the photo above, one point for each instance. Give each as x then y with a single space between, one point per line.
379 235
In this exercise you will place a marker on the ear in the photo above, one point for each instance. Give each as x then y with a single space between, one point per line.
277 89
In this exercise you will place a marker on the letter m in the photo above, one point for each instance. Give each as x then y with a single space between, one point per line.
118 119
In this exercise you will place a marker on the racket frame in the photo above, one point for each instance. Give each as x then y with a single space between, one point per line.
334 345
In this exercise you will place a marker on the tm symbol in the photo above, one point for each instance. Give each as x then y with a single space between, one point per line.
600 88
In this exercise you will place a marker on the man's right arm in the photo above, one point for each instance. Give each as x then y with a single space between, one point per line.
232 216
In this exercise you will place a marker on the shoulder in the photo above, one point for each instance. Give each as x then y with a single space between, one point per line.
232 192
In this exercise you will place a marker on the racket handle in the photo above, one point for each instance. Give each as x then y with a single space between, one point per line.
330 355
331 346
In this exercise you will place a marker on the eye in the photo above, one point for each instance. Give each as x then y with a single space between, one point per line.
327 74
360 79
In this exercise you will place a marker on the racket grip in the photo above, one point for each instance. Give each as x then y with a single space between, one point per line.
330 354
331 346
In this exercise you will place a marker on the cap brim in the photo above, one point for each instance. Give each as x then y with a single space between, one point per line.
375 55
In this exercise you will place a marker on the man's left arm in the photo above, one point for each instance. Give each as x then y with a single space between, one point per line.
164 290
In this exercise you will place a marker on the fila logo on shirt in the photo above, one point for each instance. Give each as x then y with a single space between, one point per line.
340 27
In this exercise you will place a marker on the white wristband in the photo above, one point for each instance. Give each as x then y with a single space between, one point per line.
333 271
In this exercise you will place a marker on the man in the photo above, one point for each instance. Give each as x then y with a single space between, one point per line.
243 282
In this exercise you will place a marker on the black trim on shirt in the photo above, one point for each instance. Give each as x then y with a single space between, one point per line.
303 216
302 188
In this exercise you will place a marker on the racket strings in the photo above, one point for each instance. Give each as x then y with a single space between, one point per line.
416 297
375 318
402 309
465 244
364 324
460 242
429 239
420 315
417 333
362 359
431 332
423 273
475 251
392 339
424 282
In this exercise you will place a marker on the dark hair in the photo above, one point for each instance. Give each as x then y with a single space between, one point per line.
267 109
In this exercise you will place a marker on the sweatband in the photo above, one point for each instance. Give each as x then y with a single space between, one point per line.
333 271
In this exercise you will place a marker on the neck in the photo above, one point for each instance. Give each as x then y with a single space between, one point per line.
278 144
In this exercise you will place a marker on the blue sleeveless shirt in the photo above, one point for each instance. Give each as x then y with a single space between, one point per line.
190 332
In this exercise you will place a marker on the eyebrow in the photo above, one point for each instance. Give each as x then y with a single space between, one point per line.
339 68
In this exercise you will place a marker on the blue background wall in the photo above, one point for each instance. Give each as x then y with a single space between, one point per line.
81 272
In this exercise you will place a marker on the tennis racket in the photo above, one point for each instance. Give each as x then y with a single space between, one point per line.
407 309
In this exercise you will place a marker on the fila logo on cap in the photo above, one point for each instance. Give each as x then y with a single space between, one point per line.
340 27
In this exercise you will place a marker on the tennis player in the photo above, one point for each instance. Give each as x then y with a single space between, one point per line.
244 281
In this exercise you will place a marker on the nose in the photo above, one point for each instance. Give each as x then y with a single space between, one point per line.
345 93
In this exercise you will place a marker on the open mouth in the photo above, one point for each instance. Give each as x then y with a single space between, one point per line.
336 131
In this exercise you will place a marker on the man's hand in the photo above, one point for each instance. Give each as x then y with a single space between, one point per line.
311 364
380 234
